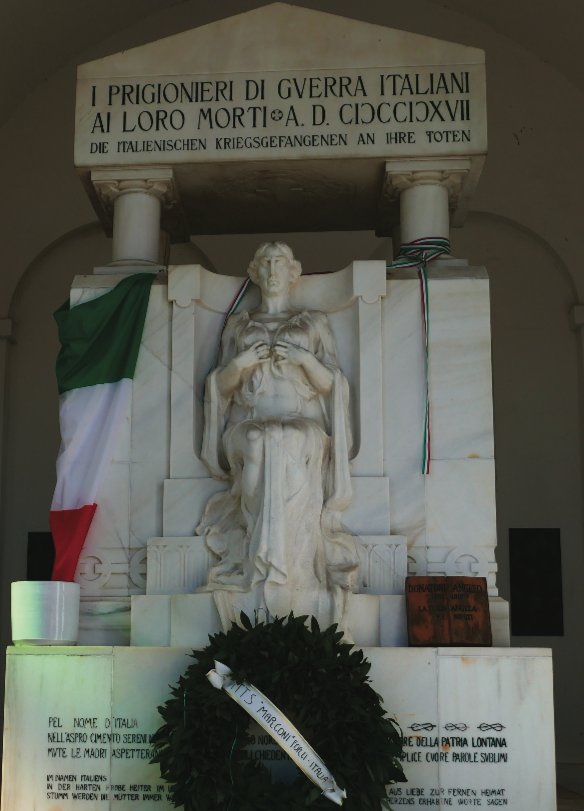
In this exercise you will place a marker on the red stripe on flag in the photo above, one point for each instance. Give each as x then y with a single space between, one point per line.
69 528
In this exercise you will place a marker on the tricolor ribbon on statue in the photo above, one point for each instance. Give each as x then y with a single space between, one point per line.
268 716
232 308
417 254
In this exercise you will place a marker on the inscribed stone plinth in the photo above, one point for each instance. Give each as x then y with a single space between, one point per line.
477 725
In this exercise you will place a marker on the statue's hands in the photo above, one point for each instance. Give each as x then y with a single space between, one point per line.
283 351
256 354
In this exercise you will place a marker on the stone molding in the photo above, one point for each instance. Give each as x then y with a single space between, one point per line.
180 565
97 566
470 561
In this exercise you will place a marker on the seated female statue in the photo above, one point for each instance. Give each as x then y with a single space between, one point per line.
277 429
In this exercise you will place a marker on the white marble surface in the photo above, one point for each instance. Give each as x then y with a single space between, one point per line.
140 683
448 517
178 565
369 458
403 404
43 697
424 206
383 564
151 620
103 566
351 298
188 619
136 227
515 691
467 560
347 41
460 503
184 502
282 41
460 408
192 618
500 627
151 421
364 619
368 512
510 687
459 380
185 499
198 297
105 622
461 528
393 631
195 340
276 530
428 691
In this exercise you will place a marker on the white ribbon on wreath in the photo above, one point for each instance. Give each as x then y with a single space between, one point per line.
279 727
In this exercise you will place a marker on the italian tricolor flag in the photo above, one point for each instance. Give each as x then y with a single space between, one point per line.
100 341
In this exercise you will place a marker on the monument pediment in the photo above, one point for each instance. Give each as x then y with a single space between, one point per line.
283 119
280 36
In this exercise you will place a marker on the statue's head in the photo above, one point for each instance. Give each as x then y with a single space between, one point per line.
274 268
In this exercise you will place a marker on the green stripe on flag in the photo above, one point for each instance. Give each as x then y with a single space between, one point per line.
100 339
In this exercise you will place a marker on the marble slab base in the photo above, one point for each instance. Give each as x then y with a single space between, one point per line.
375 620
188 619
477 725
104 622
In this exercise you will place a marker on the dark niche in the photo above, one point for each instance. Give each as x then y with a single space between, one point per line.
535 564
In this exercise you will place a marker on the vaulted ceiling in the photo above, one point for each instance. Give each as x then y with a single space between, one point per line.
38 38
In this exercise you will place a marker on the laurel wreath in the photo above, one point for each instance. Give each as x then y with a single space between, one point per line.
320 683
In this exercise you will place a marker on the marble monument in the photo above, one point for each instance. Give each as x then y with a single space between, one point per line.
273 460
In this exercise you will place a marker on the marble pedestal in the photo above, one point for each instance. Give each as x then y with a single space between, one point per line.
143 541
375 620
477 726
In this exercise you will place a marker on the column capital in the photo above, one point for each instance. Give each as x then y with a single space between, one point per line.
110 184
398 180
458 176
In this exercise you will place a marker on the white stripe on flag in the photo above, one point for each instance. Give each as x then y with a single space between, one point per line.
90 419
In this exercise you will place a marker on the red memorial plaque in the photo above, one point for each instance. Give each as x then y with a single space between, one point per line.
427 611
448 611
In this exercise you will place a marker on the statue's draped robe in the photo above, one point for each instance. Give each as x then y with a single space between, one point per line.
279 541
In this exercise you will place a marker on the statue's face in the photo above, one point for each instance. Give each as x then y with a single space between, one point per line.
273 272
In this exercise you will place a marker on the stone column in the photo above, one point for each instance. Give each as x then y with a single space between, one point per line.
136 224
134 202
429 195
423 204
